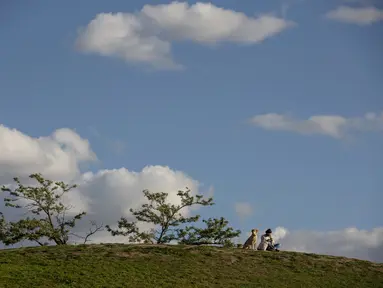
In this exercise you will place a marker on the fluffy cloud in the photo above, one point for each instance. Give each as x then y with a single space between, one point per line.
146 36
106 194
58 155
356 15
329 125
350 242
110 194
243 209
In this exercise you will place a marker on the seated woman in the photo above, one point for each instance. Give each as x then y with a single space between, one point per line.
267 242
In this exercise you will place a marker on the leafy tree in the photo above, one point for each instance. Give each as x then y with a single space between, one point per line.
215 232
29 229
3 227
44 201
165 216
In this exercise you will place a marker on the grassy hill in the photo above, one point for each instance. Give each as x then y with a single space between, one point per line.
115 265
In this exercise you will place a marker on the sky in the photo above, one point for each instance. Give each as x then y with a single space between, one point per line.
274 108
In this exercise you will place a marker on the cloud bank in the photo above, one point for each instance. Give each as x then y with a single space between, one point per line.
108 194
328 125
146 36
350 242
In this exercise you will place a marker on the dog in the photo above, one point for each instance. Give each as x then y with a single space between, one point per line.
251 242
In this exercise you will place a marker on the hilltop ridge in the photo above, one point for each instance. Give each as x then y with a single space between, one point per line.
118 265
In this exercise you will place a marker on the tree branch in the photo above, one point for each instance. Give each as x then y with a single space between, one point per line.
97 228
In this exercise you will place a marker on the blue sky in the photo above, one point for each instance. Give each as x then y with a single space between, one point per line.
197 120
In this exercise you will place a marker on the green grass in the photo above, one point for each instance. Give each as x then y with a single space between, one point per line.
115 265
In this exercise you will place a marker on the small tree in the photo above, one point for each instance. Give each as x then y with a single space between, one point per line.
44 201
93 230
159 212
216 232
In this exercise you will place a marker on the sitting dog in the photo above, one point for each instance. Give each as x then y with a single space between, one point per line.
251 242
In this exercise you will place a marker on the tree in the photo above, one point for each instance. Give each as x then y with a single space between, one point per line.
165 216
216 232
28 228
50 220
3 227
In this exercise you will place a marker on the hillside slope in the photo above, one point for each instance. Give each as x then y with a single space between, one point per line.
116 265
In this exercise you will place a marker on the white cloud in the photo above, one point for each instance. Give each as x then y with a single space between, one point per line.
350 242
330 125
356 15
111 193
58 155
106 194
243 209
146 36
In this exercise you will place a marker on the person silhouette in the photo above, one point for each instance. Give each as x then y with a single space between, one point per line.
267 242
